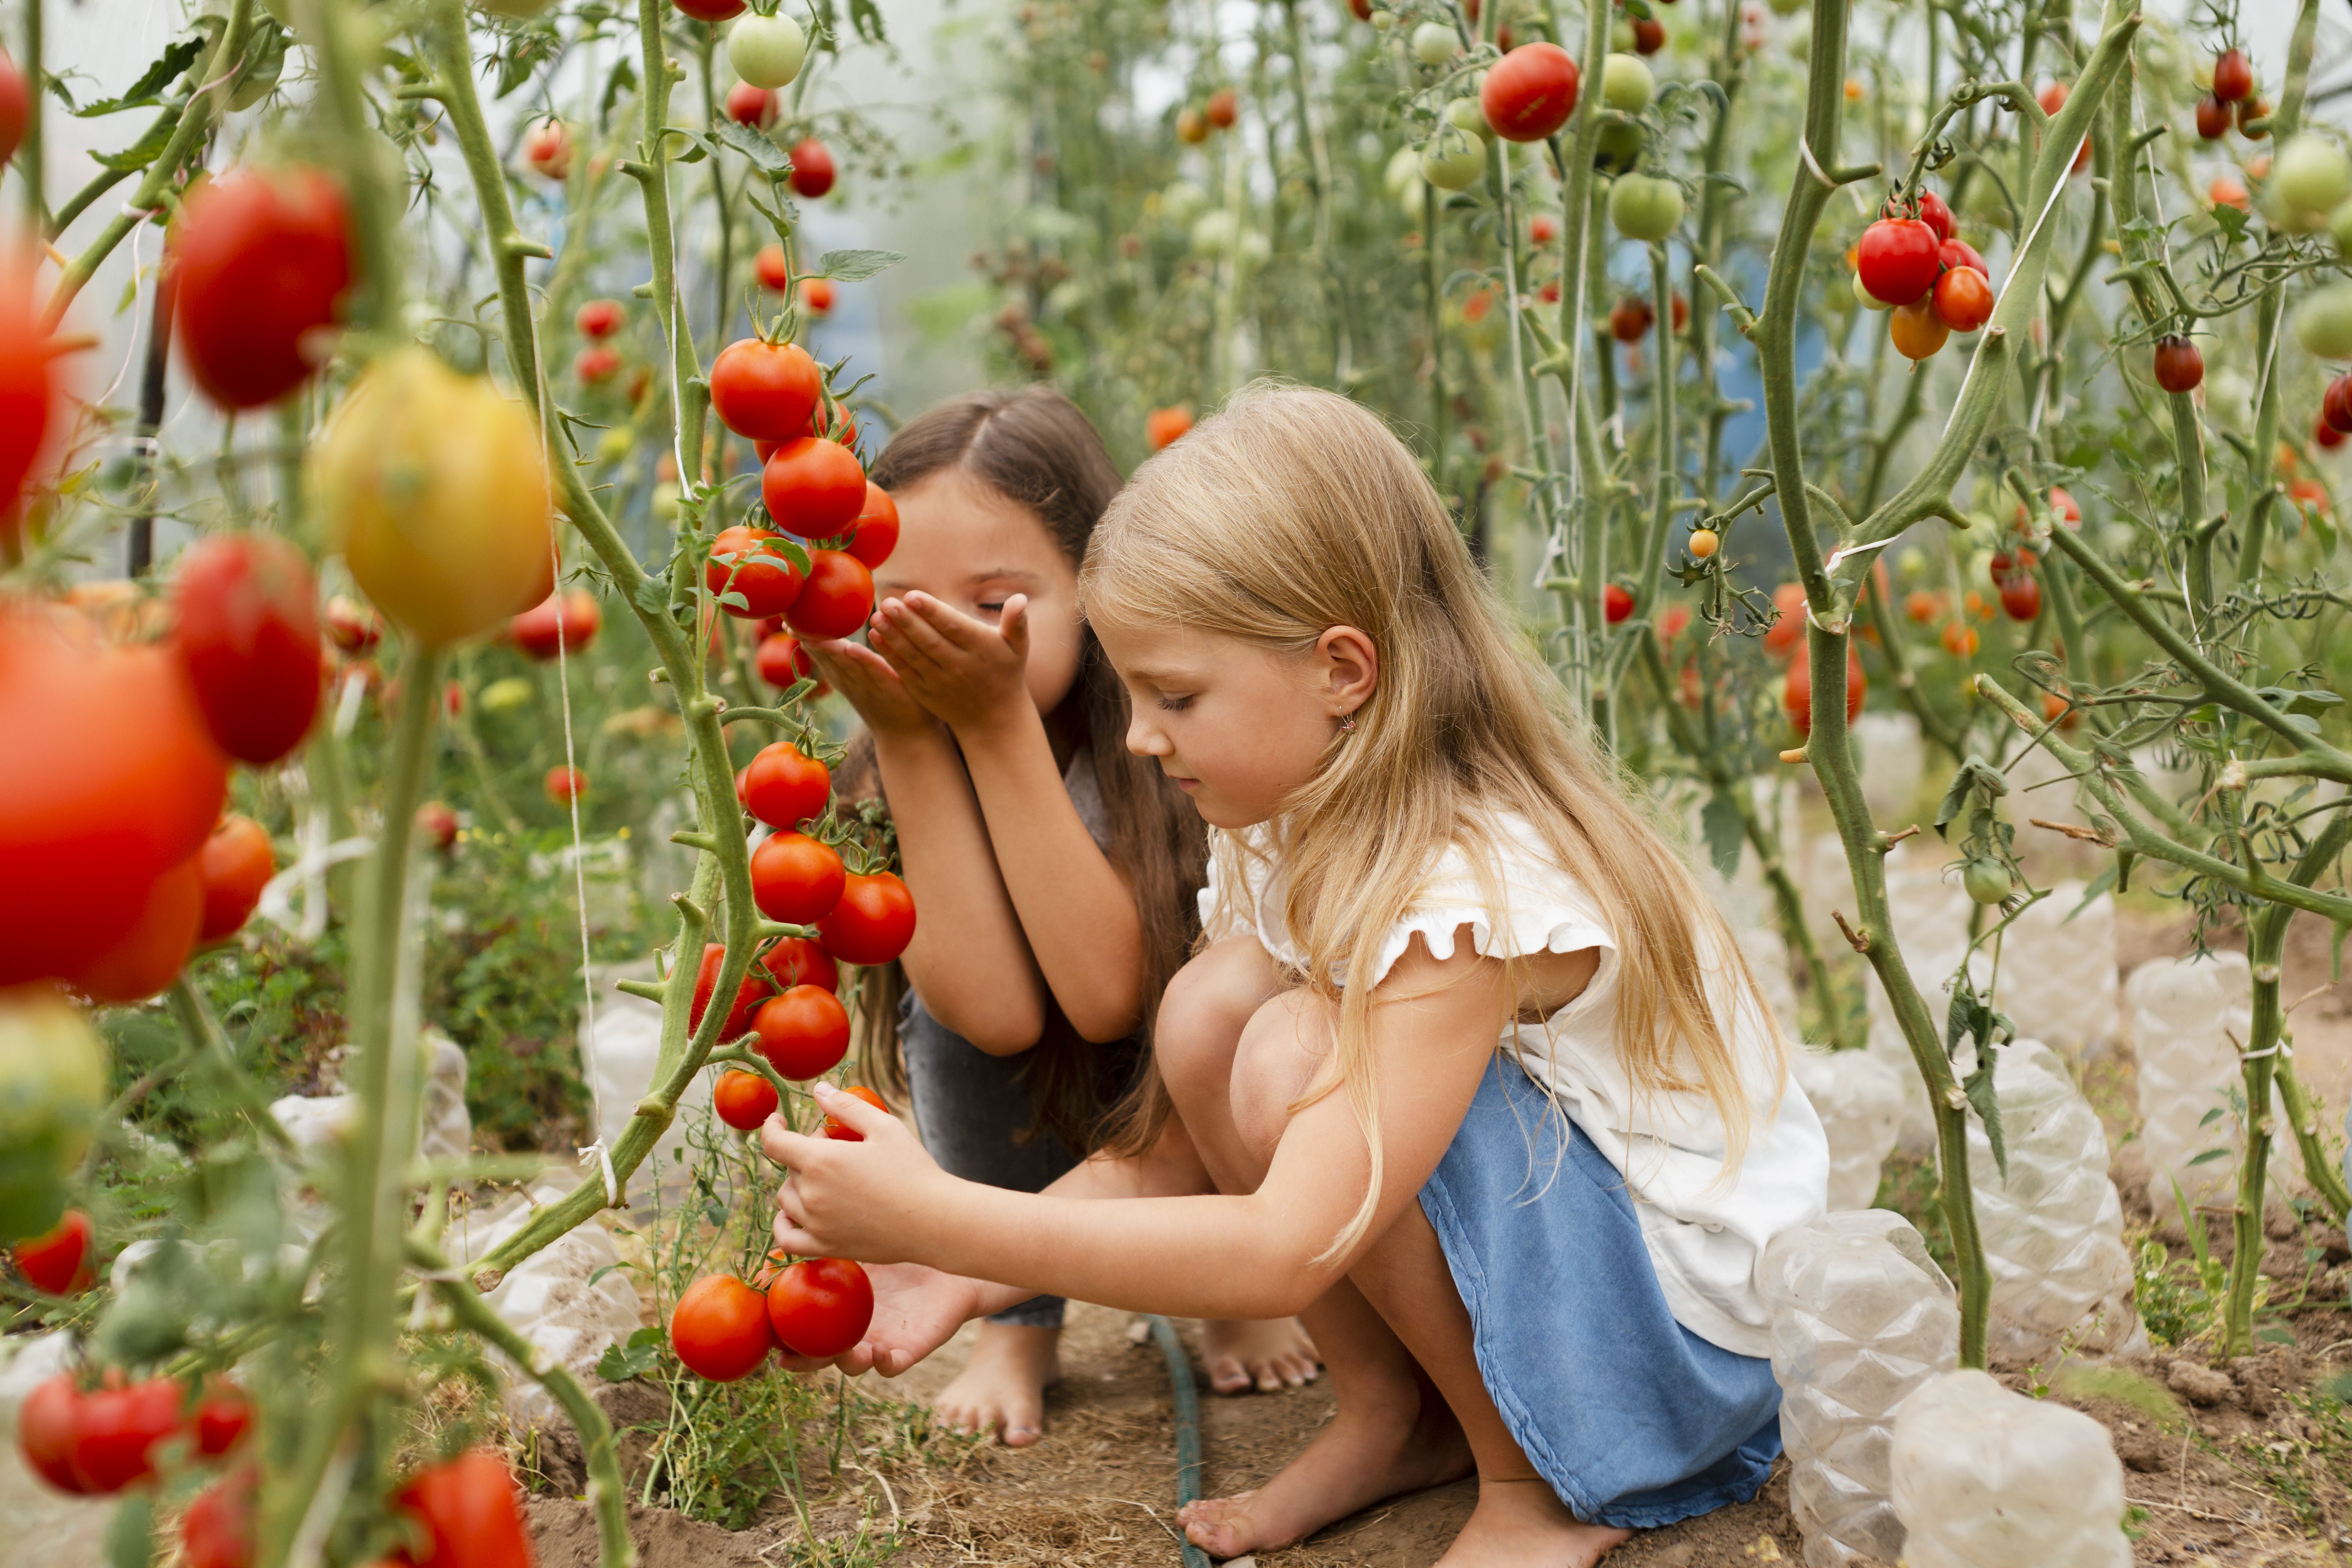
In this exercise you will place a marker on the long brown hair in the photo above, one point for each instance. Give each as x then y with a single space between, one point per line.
1035 449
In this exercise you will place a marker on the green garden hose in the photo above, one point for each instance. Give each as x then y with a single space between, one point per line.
1188 1427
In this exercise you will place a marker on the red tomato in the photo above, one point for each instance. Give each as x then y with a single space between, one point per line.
352 626
1543 229
813 487
1935 214
1529 92
471 1512
797 960
1223 108
835 1129
260 262
1915 330
795 879
437 822
1964 300
1649 35
873 923
1788 633
1163 426
720 1326
223 1415
751 106
235 863
2212 118
46 1424
16 108
118 1430
1797 692
596 366
782 660
2326 436
755 989
246 607
567 622
2180 366
1616 603
821 1306
784 788
2052 98
1629 322
813 171
838 596
151 954
57 1262
599 318
744 1100
803 1033
2064 505
2021 597
26 389
816 296
875 534
217 1531
1671 624
547 148
1954 253
775 272
749 563
565 785
2225 192
1896 260
2233 76
709 10
764 391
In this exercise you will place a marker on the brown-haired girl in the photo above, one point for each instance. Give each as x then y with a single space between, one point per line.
1055 871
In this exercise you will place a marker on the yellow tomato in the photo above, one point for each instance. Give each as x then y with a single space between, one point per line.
436 492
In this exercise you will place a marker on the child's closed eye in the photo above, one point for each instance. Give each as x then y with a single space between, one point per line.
1174 704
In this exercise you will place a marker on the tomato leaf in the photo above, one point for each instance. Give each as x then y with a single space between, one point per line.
143 151
855 266
168 67
643 1352
1726 835
765 155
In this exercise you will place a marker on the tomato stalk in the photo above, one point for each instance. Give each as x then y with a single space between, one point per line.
28 151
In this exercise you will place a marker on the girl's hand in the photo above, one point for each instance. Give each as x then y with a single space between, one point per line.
872 687
915 1310
871 1201
969 673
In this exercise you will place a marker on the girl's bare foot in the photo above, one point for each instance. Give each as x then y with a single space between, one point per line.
1263 1353
1001 1389
1360 1457
1523 1525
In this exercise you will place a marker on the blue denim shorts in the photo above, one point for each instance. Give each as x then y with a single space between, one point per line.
1635 1421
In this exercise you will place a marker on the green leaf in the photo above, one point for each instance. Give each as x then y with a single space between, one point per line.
653 595
2210 1156
2212 1116
146 149
168 67
641 1355
130 1533
2232 221
2275 1335
855 266
1977 1086
765 155
1726 835
2097 885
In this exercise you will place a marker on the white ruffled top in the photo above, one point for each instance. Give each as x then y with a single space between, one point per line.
1705 1234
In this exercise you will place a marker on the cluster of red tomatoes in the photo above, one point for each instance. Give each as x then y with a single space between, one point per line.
723 1328
119 859
2234 98
2012 570
598 319
1935 284
1221 111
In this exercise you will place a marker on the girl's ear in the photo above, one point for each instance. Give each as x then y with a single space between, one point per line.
1349 669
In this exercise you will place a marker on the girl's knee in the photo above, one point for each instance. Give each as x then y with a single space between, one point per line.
1207 1006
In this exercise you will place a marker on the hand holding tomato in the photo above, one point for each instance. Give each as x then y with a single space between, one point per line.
869 1200
969 674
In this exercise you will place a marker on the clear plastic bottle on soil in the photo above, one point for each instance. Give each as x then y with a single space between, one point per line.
1860 1316
2053 1226
2184 1012
2058 970
1986 1478
1860 1100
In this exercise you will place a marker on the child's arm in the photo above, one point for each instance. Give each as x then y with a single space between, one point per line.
1077 910
1264 1255
968 962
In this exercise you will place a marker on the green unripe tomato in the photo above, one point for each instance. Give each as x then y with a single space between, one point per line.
1626 84
665 500
506 695
767 51
1617 147
1452 161
1464 114
1384 20
2339 226
614 444
1869 301
2323 324
1215 231
1643 206
1620 35
52 1087
1403 175
1986 879
1434 43
2310 177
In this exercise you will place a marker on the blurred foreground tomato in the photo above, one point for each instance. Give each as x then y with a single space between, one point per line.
57 1262
27 388
151 954
247 628
470 1513
260 262
217 1531
237 862
562 621
53 1077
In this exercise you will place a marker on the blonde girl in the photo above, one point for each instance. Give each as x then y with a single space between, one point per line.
1468 1072
1055 870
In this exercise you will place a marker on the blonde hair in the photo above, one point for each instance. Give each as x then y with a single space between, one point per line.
1295 510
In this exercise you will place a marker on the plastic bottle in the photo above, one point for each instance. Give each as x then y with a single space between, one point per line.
2054 1227
1860 1100
2184 1012
1931 923
1860 1316
2058 972
1986 1478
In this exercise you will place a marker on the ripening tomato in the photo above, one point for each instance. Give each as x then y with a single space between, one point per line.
751 106
875 534
1649 35
797 960
1704 542
217 1531
709 10
1787 633
1543 229
28 386
782 661
812 170
1797 692
1631 320
223 1415
775 272
595 366
1954 253
813 487
437 822
783 788
751 564
837 598
259 263
565 785
803 1033
1959 638
436 489
1163 427
821 1306
46 1423
1963 300
2180 366
2336 406
247 626
1915 330
744 1100
1920 605
237 862
2020 595
1897 259
1529 92
764 391
547 148
2052 98
2326 436
352 626
1616 603
561 623
2064 505
1192 126
57 1262
471 1512
117 1431
796 878
816 296
842 1132
1225 107
2233 76
16 108
2213 118
874 920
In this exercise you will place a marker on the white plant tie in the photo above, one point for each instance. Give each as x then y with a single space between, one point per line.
308 872
580 891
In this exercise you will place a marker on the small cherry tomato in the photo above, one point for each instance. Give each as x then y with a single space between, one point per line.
1223 108
816 296
782 661
783 788
1616 603
795 879
775 272
437 822
2021 597
1630 321
57 1262
803 1033
821 1306
835 599
1963 301
261 263
1920 605
2233 76
1936 215
1897 260
875 534
1986 879
235 863
841 1132
547 148
812 170
1529 92
1915 330
750 565
563 622
2213 118
246 622
1959 639
743 1099
1797 692
1704 542
1163 426
595 366
751 106
872 921
756 988
709 10
565 785
599 318
2180 366
1787 633
764 391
